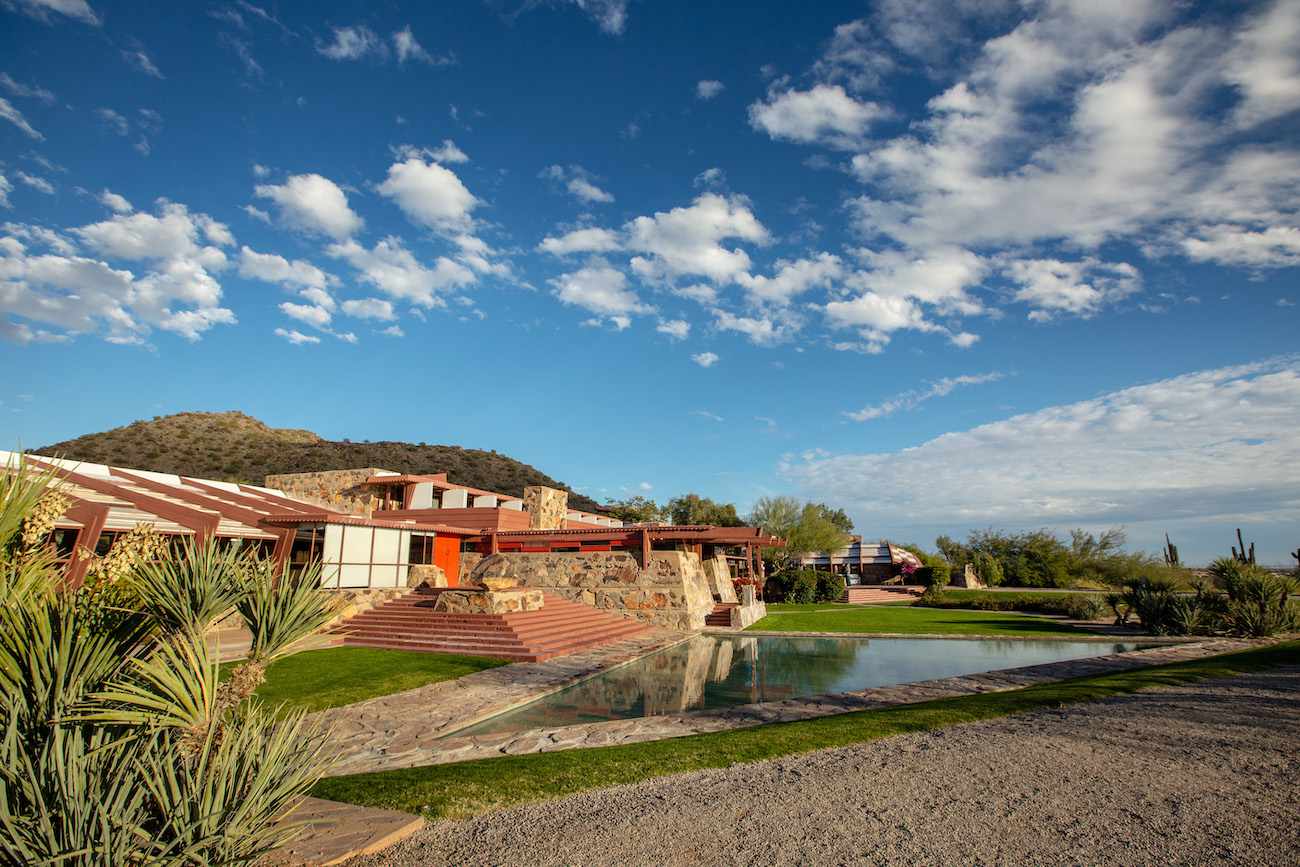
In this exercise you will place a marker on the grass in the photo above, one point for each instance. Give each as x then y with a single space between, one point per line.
318 679
469 788
907 620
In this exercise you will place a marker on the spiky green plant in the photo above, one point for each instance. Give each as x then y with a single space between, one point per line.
1258 601
115 745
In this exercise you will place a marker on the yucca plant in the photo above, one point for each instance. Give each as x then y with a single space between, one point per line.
116 746
1258 601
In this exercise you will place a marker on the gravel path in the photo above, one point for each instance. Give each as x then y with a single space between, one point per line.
1205 773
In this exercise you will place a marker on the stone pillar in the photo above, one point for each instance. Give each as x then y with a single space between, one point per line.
546 507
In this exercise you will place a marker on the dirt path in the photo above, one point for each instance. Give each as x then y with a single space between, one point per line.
1206 773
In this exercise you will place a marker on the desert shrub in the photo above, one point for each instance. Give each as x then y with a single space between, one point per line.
1258 601
803 588
988 569
1078 606
1201 613
830 587
1119 604
1156 604
777 587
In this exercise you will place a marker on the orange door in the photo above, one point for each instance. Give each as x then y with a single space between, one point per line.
446 555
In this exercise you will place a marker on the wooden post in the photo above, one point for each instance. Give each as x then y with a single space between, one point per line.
645 548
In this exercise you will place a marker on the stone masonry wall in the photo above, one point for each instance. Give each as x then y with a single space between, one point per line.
719 575
341 490
671 592
546 507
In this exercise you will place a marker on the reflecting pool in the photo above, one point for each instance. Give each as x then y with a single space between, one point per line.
718 671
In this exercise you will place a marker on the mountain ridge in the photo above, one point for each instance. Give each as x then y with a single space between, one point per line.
236 447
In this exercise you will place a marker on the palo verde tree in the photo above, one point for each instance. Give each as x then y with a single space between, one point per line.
119 743
808 528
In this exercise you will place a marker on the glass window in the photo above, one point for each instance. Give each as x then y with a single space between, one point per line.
421 553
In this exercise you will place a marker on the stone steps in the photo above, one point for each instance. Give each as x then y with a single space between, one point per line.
875 595
720 616
559 627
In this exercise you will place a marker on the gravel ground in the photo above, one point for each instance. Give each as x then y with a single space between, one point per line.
1206 773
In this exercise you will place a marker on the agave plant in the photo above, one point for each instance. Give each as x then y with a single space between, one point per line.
1258 601
116 746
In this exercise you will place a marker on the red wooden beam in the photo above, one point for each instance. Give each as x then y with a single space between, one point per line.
92 516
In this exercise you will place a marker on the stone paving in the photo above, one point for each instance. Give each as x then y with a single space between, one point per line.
408 749
338 832
402 730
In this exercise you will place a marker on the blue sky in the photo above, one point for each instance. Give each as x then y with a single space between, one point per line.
946 264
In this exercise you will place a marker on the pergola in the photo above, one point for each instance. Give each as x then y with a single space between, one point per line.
638 537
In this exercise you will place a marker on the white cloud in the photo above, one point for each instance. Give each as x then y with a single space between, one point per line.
39 235
1052 286
711 416
141 61
1264 65
35 182
352 43
312 203
392 269
115 122
369 308
600 289
177 293
710 177
15 117
1273 247
792 278
700 293
581 241
272 268
705 359
708 89
260 171
5 189
687 240
408 48
447 152
114 202
256 213
610 15
824 114
913 398
939 276
41 9
430 194
311 314
1205 446
578 182
26 91
295 336
393 331
677 329
762 329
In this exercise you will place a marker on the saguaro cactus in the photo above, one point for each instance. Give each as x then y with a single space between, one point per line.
1171 553
1239 552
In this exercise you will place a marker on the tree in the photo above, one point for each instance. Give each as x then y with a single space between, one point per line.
636 510
838 517
694 509
119 743
806 528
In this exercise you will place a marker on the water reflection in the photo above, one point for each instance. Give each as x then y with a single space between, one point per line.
712 671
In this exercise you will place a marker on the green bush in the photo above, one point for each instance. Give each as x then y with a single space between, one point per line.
988 569
1077 606
1258 601
1156 603
803 588
830 587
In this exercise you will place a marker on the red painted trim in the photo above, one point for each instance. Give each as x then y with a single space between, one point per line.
92 516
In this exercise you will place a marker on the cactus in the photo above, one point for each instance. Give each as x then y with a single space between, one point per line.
1171 553
1240 554
1296 555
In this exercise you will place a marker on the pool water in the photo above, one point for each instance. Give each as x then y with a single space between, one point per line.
719 671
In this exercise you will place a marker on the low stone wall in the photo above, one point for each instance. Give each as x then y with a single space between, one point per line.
672 591
719 575
354 602
427 574
746 615
468 560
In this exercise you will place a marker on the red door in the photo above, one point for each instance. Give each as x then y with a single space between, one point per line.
446 555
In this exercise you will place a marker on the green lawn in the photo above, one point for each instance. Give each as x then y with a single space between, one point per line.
907 620
317 679
469 788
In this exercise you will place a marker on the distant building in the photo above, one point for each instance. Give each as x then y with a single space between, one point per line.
867 562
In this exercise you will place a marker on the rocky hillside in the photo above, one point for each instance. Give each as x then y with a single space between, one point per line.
235 447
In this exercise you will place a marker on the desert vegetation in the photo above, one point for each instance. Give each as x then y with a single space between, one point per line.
119 741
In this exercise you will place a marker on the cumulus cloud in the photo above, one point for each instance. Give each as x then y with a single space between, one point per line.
824 114
1052 286
396 272
581 241
36 182
312 203
1202 447
913 398
447 152
179 250
708 89
296 337
578 182
114 202
677 329
5 189
352 43
705 359
369 308
311 314
792 278
430 194
272 268
408 48
688 240
601 289
766 329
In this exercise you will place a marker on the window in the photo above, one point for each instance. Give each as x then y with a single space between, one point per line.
421 553
308 542
64 541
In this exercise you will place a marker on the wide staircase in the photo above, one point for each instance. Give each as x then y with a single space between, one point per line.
557 628
878 593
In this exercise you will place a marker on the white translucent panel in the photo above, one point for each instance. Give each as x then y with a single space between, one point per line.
457 499
333 542
383 576
422 496
513 505
356 544
329 575
355 576
485 501
387 548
